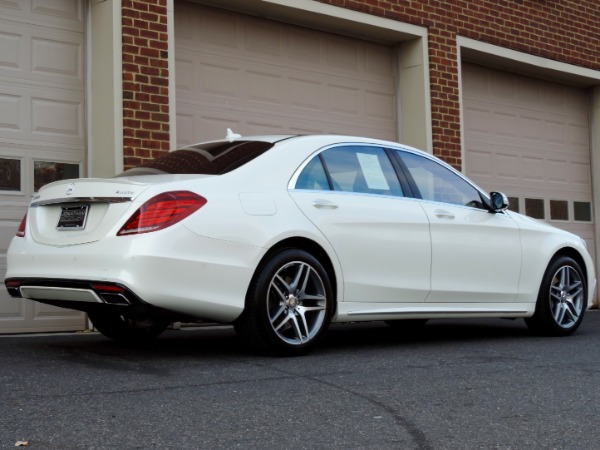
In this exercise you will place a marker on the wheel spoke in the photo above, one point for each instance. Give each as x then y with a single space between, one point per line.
296 282
575 288
559 313
304 309
285 320
309 271
277 314
571 310
279 292
282 281
297 329
317 298
564 277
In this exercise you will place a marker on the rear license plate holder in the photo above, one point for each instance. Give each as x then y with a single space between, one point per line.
72 218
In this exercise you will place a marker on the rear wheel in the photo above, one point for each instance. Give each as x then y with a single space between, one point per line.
129 328
562 299
288 306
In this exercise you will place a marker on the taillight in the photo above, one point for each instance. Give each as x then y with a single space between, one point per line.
21 230
162 211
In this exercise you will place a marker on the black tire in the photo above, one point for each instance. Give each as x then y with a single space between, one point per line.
288 305
407 326
126 328
562 299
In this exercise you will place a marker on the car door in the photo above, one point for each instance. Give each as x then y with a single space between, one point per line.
476 254
352 194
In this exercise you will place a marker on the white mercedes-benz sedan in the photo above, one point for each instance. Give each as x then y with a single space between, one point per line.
282 235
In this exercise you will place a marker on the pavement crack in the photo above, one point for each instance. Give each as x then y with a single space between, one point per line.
418 436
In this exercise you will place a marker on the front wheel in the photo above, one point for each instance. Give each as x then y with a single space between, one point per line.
128 328
562 299
288 305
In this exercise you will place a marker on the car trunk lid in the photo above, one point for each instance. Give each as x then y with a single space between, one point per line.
80 211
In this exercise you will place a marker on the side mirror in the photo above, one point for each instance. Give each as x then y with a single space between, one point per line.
499 201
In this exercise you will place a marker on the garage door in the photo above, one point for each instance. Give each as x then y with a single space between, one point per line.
41 128
530 139
258 76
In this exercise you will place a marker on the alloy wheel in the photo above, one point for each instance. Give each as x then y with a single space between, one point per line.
566 296
296 303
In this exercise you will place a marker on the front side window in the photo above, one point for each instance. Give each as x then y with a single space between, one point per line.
361 169
437 183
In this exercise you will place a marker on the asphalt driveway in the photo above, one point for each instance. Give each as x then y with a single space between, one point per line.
458 384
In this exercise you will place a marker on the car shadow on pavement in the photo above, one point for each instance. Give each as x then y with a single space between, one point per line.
221 341
434 332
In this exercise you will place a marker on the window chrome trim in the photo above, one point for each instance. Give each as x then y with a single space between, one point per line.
384 145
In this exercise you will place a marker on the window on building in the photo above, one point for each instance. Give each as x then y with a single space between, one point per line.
534 207
10 174
559 210
45 172
582 211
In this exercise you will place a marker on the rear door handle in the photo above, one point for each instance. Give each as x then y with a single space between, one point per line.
324 204
442 214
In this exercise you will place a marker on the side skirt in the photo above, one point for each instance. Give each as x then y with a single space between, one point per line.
357 312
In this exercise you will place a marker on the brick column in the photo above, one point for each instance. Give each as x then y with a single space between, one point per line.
445 96
145 80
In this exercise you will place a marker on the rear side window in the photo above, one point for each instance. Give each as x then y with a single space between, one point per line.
366 170
361 169
313 176
213 158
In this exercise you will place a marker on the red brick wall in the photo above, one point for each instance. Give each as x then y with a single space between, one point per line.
565 30
145 80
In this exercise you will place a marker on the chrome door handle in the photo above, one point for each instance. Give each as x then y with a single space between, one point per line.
441 214
324 204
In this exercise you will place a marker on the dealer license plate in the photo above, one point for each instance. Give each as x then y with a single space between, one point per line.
72 218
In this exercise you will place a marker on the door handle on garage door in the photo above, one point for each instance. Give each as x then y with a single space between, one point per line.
441 214
324 204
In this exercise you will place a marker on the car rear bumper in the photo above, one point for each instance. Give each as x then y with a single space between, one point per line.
195 276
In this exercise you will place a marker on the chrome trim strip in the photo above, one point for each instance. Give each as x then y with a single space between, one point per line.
59 294
431 312
57 201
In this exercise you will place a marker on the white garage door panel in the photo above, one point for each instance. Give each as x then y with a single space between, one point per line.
530 139
41 54
67 14
42 93
260 76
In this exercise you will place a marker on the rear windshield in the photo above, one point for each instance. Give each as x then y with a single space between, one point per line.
213 158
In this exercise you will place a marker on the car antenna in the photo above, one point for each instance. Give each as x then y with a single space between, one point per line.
231 135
